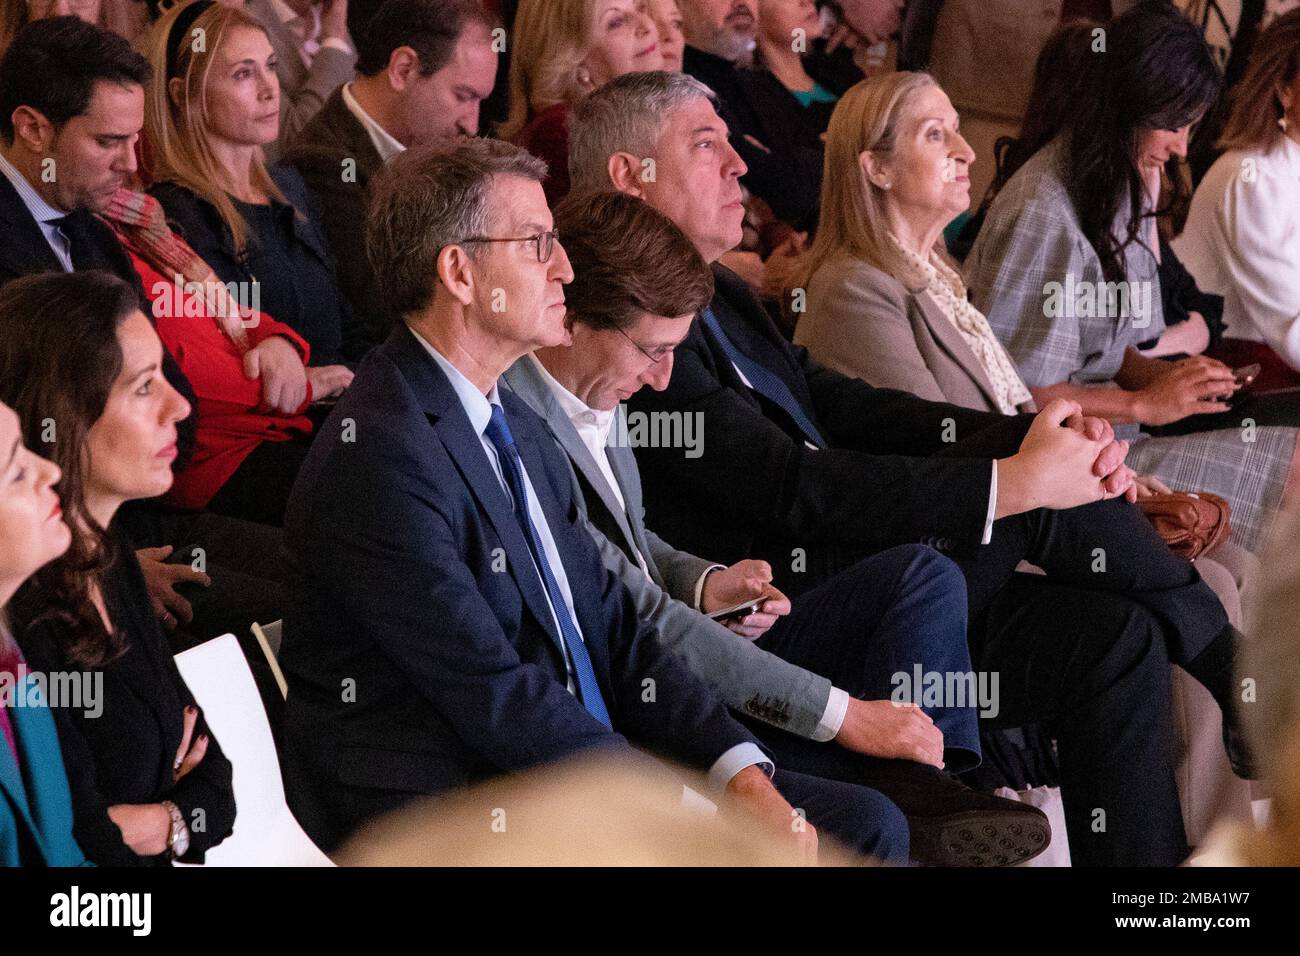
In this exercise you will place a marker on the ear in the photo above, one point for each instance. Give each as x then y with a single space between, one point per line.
1285 97
176 90
456 273
403 68
33 128
625 173
878 174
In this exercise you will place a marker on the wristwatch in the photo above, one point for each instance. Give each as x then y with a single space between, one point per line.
178 840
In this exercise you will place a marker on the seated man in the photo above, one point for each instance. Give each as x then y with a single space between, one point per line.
638 284
812 471
423 67
453 621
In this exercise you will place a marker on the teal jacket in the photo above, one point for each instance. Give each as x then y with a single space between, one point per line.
35 806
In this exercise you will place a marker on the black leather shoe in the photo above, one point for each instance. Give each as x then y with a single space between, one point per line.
953 825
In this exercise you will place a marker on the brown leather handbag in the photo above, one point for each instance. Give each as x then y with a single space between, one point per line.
1191 523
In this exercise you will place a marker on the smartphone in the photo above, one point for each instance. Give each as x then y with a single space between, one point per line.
1246 374
743 609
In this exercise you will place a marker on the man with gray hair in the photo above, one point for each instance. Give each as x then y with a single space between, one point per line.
453 621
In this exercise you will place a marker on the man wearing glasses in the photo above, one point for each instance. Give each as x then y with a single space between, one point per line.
453 621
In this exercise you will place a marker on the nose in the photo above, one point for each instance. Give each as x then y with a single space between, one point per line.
126 158
732 164
51 474
175 408
467 125
268 84
1179 145
644 22
559 268
659 373
962 149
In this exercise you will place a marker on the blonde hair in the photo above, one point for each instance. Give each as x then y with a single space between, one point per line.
551 37
177 133
853 212
1274 63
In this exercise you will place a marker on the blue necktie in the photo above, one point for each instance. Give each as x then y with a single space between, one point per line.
764 382
498 432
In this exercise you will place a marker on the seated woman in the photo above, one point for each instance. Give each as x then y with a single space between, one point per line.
208 115
149 782
35 806
786 31
1242 236
251 429
881 309
672 41
564 49
1065 270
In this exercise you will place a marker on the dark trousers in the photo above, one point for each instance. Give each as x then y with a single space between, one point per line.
860 819
874 626
1114 593
259 489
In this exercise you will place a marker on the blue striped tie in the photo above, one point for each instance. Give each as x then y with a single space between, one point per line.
498 432
764 382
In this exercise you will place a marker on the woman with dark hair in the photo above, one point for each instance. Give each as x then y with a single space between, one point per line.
1065 269
1242 236
35 806
81 364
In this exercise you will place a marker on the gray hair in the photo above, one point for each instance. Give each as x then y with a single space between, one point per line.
627 114
428 198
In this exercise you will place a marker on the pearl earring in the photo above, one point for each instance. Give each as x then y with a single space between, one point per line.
887 186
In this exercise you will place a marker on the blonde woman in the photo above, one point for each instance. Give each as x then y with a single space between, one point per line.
563 50
672 41
210 109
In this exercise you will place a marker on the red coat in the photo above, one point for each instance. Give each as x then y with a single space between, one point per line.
231 420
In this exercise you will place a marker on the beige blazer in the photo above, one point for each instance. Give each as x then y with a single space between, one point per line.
865 323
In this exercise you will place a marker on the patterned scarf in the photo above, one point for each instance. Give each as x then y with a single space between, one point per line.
141 225
949 294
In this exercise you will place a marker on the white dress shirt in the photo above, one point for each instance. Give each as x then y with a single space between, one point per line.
46 216
385 145
593 426
1242 241
479 409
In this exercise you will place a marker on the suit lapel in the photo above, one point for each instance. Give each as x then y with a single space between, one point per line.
952 342
524 379
12 784
466 451
623 463
24 249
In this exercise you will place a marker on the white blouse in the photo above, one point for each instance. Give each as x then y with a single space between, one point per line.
1242 241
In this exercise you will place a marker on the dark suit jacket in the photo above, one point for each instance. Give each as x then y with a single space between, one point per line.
757 490
24 251
125 753
786 170
320 152
419 648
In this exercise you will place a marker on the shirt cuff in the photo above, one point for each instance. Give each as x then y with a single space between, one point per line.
837 706
735 760
993 506
337 43
699 584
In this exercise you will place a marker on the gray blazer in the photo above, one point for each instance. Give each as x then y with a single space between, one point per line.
863 322
749 679
302 92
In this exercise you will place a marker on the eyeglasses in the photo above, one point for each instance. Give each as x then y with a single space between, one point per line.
545 242
656 355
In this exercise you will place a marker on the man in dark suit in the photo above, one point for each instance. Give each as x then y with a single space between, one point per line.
453 620
57 173
813 470
423 68
638 282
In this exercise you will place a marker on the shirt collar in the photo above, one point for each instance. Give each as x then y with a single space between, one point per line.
41 210
477 405
385 144
579 412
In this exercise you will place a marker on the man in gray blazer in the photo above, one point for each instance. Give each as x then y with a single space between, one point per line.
314 56
870 630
